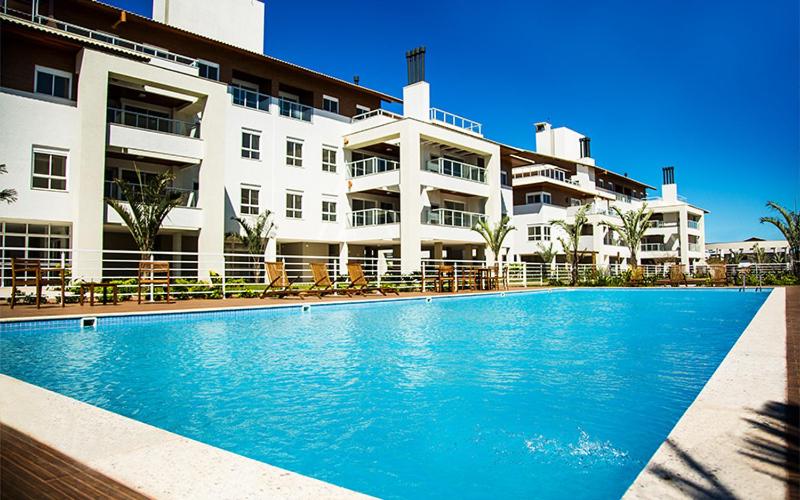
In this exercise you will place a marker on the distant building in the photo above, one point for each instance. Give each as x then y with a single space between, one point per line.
746 248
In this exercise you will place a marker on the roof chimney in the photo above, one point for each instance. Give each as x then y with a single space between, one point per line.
356 79
668 174
586 150
669 190
415 60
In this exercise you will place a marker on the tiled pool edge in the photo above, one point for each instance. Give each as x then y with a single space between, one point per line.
711 450
146 459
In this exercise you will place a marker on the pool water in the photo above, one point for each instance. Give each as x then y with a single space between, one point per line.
545 394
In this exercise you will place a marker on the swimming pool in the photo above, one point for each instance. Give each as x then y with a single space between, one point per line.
533 394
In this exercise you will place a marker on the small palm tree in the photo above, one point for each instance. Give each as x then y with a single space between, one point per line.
779 258
7 195
547 254
790 227
494 236
760 254
255 236
735 257
571 244
631 230
149 203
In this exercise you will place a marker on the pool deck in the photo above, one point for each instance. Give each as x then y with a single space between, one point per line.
738 438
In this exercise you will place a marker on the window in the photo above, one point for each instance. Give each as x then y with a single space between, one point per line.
294 153
575 202
504 178
540 197
249 204
539 232
328 211
328 160
53 82
294 205
49 170
360 110
251 145
330 104
208 69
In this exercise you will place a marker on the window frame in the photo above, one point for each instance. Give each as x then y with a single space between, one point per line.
49 176
249 152
327 165
361 109
210 65
294 210
246 208
540 232
330 99
294 160
329 215
541 194
53 73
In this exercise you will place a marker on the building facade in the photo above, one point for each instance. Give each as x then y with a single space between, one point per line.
777 251
90 93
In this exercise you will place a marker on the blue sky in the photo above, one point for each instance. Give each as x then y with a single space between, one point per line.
711 87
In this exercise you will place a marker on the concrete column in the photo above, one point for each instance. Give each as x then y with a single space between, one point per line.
211 240
343 257
177 245
271 252
683 236
410 199
437 250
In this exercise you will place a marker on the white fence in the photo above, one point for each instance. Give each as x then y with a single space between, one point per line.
235 274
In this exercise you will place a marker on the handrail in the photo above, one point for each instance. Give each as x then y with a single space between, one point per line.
455 168
155 123
373 217
295 110
693 224
371 165
543 171
375 112
452 218
652 247
660 223
188 197
249 98
442 116
100 36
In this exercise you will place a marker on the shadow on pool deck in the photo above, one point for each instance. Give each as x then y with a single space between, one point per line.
778 443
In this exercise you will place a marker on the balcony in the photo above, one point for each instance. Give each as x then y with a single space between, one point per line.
375 113
249 98
295 110
187 197
374 217
694 247
457 169
652 247
185 216
554 173
454 121
621 197
658 224
451 218
693 224
154 137
370 166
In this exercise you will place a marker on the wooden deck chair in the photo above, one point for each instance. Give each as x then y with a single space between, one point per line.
359 283
676 277
279 284
152 272
637 276
446 275
719 274
322 281
29 272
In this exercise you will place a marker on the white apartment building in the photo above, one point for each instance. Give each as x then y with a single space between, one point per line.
90 93
773 249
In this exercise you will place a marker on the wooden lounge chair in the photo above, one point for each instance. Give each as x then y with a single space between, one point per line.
359 283
29 272
152 272
637 276
719 274
498 279
322 281
676 277
694 280
446 275
279 283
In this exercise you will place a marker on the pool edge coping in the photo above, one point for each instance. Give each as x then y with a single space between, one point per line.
704 453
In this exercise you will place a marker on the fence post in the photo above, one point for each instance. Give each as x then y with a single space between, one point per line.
152 286
524 275
223 275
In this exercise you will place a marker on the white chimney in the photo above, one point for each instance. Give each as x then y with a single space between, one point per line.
669 190
544 139
417 101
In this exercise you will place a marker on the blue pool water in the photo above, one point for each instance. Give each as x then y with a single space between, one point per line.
562 394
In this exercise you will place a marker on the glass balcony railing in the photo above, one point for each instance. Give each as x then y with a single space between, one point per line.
652 247
374 217
249 98
372 165
694 247
451 218
693 224
188 197
154 123
459 169
295 110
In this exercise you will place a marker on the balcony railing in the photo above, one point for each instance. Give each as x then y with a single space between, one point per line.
660 223
375 112
372 165
295 110
693 224
549 172
441 116
625 198
143 48
155 123
694 247
374 217
188 197
459 169
652 247
249 98
451 218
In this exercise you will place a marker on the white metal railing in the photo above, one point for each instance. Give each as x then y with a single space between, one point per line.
249 98
652 247
295 110
373 217
660 198
451 218
453 120
656 223
624 198
372 165
373 113
188 197
100 36
550 172
154 123
593 209
693 224
459 169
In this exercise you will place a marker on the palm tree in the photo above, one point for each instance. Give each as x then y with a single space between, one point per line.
790 227
149 203
571 244
547 254
631 230
7 195
735 257
255 236
760 254
779 258
494 236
